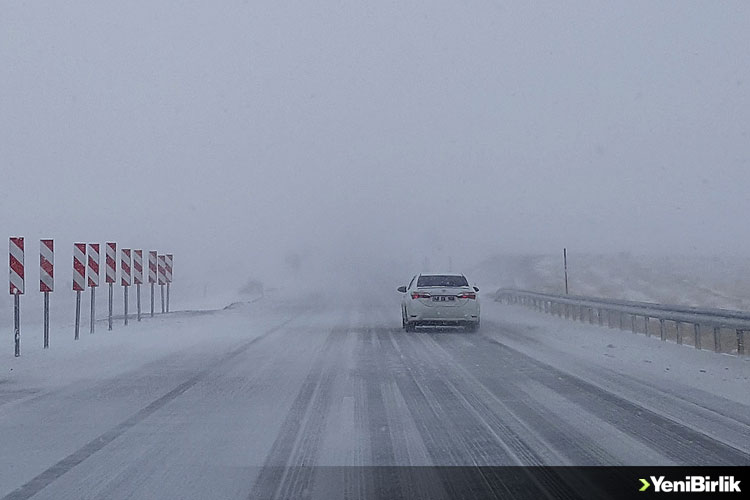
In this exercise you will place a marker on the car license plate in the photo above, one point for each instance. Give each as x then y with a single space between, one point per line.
443 298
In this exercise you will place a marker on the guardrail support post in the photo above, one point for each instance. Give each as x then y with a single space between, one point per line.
679 333
646 322
717 339
567 311
740 342
632 323
662 330
697 331
599 316
622 320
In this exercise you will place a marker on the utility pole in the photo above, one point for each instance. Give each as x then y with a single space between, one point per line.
565 264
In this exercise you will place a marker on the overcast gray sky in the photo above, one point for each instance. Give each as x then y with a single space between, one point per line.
366 130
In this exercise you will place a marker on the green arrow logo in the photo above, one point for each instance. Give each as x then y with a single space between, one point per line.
645 486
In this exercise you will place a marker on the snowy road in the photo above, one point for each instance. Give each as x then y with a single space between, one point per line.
272 387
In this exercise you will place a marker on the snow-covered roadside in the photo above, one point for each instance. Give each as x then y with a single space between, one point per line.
576 348
107 354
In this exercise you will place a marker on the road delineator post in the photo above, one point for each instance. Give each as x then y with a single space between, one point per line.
93 280
168 261
162 279
110 276
125 278
17 285
138 278
46 280
79 280
152 264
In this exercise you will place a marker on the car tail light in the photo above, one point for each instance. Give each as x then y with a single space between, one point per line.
418 295
467 295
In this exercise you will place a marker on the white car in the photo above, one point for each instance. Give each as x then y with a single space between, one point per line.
438 300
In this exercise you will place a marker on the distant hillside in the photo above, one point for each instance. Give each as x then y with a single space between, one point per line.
688 280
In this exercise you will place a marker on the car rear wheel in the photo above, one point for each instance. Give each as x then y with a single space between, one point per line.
472 326
410 326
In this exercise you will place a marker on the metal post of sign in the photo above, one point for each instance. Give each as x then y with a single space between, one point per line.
138 299
109 315
565 263
167 296
17 323
78 314
46 320
152 300
126 304
93 310
162 298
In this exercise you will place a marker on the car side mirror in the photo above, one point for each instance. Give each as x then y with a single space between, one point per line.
476 289
402 289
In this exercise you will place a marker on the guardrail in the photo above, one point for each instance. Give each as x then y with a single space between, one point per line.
725 327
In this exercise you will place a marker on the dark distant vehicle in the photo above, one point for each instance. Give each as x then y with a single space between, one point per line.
439 300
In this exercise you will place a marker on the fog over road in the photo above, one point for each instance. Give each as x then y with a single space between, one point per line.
320 382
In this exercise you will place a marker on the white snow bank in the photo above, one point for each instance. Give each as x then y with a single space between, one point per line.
109 353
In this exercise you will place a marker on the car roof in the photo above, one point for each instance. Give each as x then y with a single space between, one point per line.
440 274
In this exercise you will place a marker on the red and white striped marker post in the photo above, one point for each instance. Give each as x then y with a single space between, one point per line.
168 273
138 277
162 278
125 277
110 275
16 287
46 279
152 258
79 279
93 279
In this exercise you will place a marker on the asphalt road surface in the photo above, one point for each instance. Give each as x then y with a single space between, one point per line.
325 397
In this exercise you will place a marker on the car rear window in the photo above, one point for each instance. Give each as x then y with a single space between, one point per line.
439 280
